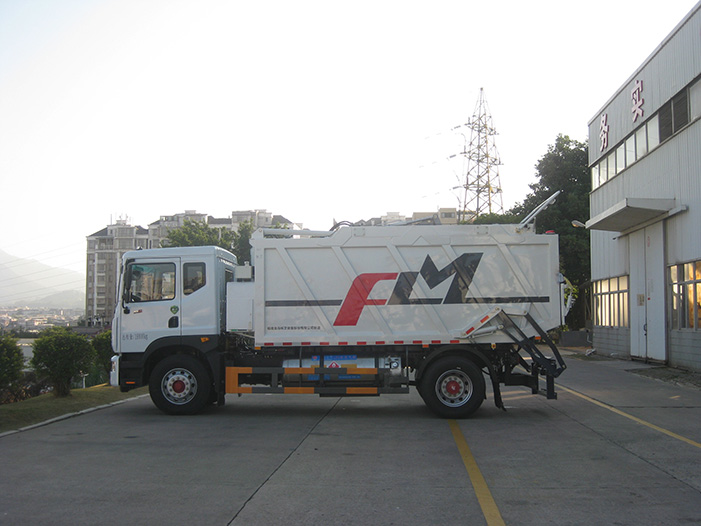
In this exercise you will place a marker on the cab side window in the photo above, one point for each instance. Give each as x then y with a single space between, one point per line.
194 277
150 282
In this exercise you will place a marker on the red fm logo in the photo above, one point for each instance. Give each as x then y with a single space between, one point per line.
462 269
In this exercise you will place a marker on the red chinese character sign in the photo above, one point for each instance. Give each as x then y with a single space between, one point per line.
636 96
604 132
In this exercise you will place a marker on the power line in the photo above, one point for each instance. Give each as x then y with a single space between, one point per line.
33 293
21 260
58 272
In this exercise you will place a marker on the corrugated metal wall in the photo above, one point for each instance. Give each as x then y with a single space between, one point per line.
675 63
672 170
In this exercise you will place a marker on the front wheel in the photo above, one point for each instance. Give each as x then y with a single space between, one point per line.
180 385
453 387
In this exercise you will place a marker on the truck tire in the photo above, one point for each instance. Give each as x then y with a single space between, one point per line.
453 387
180 385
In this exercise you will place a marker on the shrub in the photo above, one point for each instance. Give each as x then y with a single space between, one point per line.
59 355
28 386
102 343
11 364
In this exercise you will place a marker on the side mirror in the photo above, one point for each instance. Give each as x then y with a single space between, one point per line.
125 292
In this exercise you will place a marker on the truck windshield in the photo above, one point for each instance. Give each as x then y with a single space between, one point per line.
150 282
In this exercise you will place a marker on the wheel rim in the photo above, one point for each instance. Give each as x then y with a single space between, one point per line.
179 386
454 388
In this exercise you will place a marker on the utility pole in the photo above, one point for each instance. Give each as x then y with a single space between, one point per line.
480 180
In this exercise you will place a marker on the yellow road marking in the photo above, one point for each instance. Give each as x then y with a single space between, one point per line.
484 496
633 418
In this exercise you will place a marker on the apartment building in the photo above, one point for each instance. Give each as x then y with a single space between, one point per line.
104 253
106 247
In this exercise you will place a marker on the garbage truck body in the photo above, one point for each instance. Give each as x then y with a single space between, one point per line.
360 311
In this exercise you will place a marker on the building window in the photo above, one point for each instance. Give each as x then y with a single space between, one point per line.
695 100
653 133
630 150
610 302
685 292
641 142
603 171
671 118
680 109
665 115
595 176
612 165
621 158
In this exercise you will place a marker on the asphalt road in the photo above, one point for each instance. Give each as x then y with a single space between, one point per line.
615 448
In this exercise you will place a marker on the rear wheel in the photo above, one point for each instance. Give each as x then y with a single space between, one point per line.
180 385
453 387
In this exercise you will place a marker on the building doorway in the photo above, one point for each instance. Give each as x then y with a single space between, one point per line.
647 294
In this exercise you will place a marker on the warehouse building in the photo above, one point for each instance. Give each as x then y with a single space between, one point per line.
645 159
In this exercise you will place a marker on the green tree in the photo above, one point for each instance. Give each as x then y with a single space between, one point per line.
503 219
194 233
242 240
11 362
199 234
102 343
60 355
241 246
564 167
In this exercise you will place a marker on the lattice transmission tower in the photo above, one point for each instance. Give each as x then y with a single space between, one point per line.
479 182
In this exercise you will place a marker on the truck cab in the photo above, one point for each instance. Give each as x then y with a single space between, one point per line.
172 300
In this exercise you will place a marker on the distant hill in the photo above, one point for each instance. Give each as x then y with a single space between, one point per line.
67 299
26 282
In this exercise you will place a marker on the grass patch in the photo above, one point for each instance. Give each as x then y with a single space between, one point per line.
47 406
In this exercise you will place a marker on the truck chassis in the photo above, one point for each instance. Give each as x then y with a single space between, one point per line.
450 378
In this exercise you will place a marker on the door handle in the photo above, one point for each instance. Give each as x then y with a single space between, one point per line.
173 322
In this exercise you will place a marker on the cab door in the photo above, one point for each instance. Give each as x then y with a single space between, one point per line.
150 303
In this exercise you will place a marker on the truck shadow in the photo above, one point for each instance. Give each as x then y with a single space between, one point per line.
519 404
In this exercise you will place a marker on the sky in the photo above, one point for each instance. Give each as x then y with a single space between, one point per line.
314 110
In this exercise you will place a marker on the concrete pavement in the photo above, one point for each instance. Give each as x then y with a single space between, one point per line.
588 457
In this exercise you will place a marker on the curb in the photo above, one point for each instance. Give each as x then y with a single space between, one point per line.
69 415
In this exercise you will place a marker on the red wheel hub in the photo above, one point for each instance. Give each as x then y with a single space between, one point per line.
453 387
178 386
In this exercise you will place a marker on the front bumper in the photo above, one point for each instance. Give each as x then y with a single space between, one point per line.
114 373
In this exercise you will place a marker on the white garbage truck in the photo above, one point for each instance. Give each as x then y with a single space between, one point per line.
359 311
